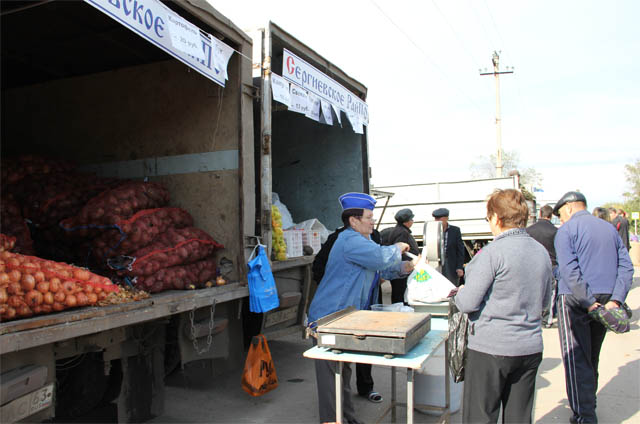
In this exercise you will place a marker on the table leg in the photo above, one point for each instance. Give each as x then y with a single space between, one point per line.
338 392
393 394
409 396
447 378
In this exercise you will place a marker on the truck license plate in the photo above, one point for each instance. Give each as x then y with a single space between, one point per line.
280 316
27 405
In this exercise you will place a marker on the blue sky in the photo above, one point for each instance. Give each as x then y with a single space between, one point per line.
570 109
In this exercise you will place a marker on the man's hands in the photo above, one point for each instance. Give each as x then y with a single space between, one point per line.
403 247
410 265
612 304
459 272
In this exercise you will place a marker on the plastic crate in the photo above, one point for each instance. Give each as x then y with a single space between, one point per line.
312 238
293 240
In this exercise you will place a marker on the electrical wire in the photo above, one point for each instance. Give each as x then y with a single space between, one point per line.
484 30
426 56
455 34
496 28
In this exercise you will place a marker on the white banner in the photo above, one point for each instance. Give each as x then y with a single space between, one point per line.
336 109
163 27
280 90
306 76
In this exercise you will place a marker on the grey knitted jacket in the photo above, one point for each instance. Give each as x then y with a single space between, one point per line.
507 284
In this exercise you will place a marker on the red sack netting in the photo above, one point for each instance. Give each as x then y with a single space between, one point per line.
6 242
112 206
31 285
13 224
46 199
174 247
139 231
179 277
16 168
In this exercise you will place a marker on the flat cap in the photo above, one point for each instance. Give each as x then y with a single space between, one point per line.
404 215
571 196
439 213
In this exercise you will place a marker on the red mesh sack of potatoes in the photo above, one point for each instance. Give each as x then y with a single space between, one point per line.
30 285
13 224
180 277
16 168
112 206
139 231
173 247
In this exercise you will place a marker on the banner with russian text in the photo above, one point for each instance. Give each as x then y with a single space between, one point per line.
161 26
301 73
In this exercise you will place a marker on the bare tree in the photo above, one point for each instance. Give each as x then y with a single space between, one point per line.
485 167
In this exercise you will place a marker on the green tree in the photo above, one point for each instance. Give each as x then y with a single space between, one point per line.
632 197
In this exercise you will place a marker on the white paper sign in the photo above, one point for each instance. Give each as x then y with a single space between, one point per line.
298 71
185 36
338 114
326 112
299 99
313 111
355 122
280 89
221 55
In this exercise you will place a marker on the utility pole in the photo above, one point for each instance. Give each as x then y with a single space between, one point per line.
496 72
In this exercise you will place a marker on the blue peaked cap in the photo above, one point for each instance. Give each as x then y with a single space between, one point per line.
357 201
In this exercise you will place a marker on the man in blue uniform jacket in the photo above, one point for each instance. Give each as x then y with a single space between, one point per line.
351 278
594 271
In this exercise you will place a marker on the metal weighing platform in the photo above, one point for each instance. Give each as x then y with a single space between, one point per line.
412 361
392 333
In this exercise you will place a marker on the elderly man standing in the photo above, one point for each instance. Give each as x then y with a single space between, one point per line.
595 271
453 247
401 233
544 232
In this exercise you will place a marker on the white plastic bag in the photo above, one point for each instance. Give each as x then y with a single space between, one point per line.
287 220
426 285
313 225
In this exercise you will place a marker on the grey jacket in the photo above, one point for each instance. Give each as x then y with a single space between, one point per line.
507 284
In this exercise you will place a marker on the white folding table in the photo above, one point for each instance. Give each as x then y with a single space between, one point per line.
412 361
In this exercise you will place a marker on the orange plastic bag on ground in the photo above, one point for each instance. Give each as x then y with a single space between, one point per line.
259 376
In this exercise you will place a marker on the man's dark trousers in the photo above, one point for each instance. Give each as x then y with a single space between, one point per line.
581 340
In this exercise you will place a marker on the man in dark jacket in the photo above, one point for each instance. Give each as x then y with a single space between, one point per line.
622 225
453 247
594 271
544 232
364 380
401 232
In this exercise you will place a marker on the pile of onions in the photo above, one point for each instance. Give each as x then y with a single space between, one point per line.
31 286
181 277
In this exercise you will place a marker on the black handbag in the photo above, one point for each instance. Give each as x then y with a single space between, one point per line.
457 341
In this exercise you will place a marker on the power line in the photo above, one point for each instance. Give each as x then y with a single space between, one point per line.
455 34
484 30
496 28
433 63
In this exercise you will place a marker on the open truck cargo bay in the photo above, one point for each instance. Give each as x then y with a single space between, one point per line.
82 81
79 85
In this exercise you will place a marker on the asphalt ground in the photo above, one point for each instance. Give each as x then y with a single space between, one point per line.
192 396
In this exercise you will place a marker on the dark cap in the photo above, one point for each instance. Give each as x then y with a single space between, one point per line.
404 215
571 196
439 213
